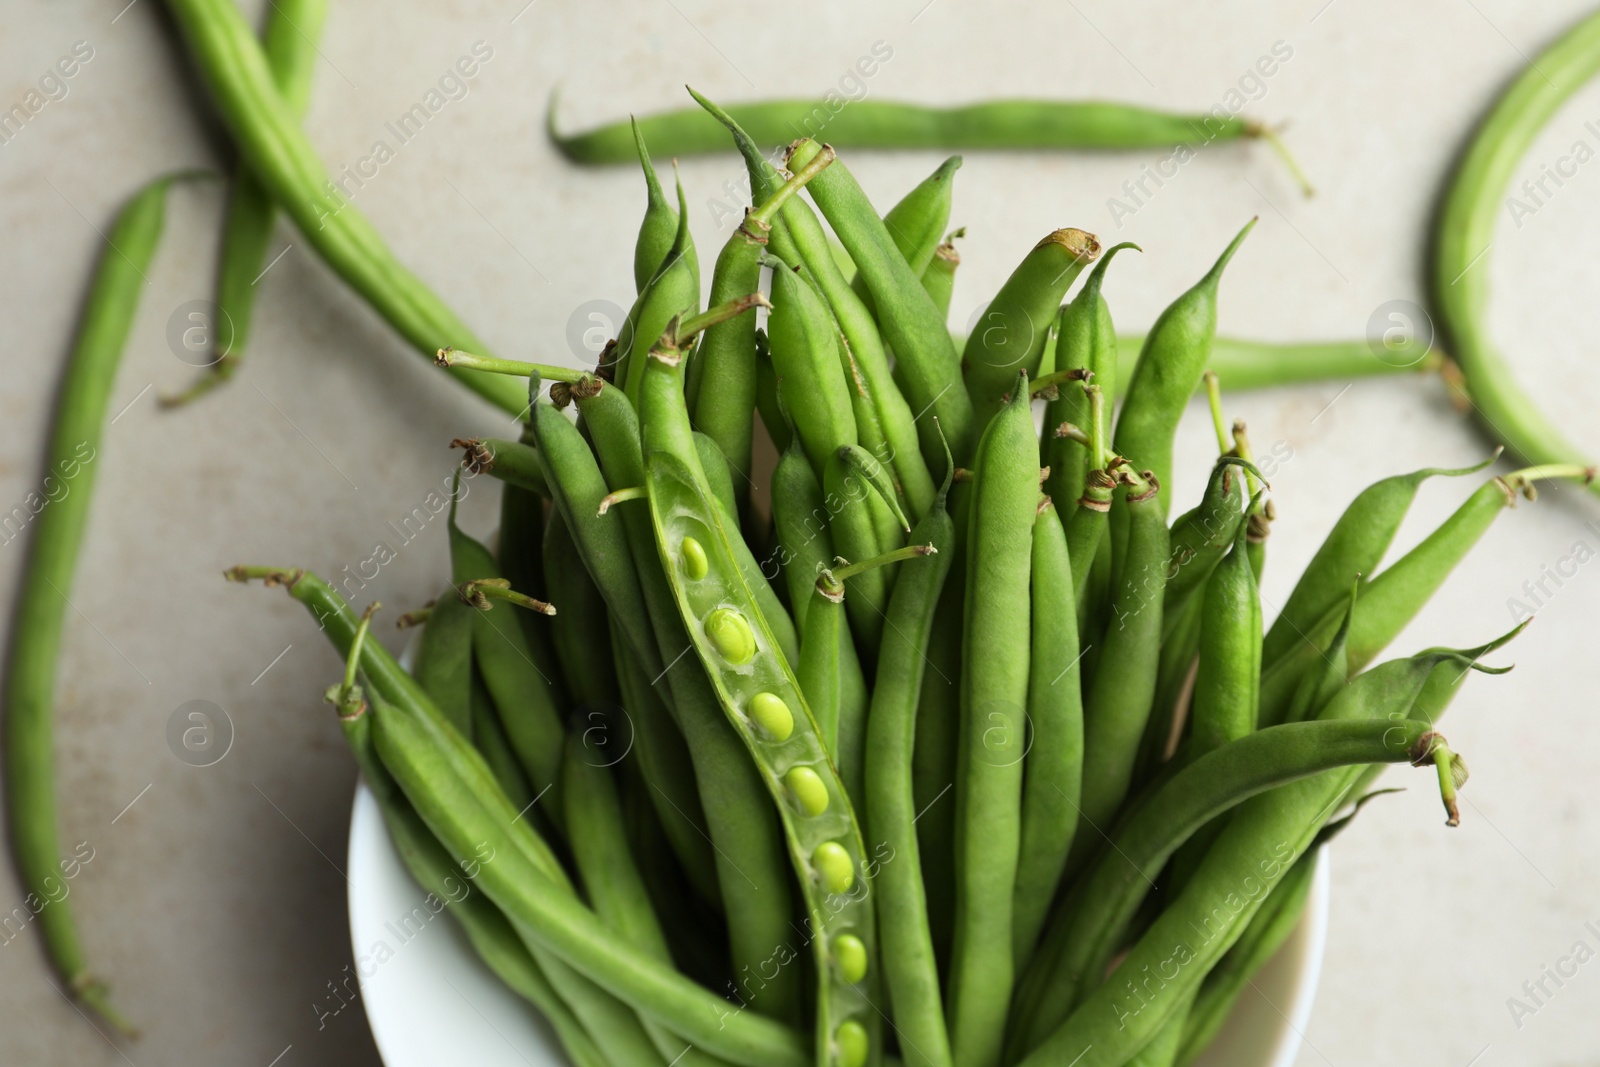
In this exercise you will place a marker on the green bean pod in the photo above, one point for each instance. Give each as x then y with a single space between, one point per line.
1245 364
1324 681
797 238
524 695
1354 547
910 966
805 353
659 230
444 658
800 517
1202 536
1227 684
1011 335
740 820
1174 355
516 463
489 738
764 703
939 276
994 698
672 292
992 124
862 528
1086 341
1263 839
917 222
454 792
726 354
272 143
1118 702
1392 599
1267 932
581 630
1162 1051
934 761
41 605
1053 772
668 771
768 406
486 927
1464 233
289 40
927 366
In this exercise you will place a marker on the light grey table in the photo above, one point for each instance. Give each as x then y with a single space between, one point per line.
215 899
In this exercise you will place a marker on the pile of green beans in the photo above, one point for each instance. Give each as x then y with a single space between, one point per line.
706 744
883 775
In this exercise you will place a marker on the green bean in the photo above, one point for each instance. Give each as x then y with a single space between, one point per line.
489 738
1355 546
1264 364
862 528
830 675
1118 701
289 41
1086 523
1227 685
992 124
1012 333
804 350
280 155
800 515
41 605
1324 681
1174 355
1202 536
659 231
727 352
515 463
1104 902
1053 773
1162 1051
994 696
1392 599
939 276
611 879
1263 839
523 694
1464 233
910 966
927 367
486 927
719 477
916 222
767 404
593 811
454 793
1085 341
764 703
933 763
668 771
1267 932
520 552
577 488
799 238
674 291
444 658
740 821
581 632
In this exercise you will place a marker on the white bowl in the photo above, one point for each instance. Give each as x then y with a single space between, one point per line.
429 1000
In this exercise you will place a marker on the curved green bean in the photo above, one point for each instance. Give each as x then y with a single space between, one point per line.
917 221
1464 234
939 276
278 152
289 40
30 682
